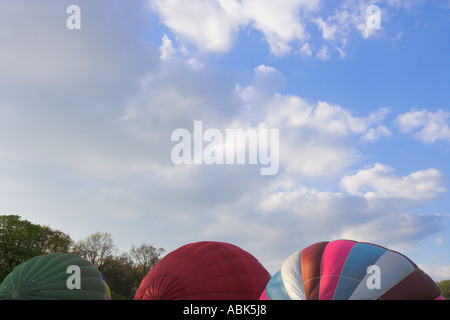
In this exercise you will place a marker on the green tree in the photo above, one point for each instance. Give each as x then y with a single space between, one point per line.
444 285
96 248
20 240
144 258
56 241
118 271
124 273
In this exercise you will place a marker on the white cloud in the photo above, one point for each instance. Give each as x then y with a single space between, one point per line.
437 273
315 138
338 26
55 58
214 25
322 116
323 54
328 31
210 25
393 228
315 143
167 49
424 125
285 216
97 155
306 50
380 182
373 134
279 21
265 84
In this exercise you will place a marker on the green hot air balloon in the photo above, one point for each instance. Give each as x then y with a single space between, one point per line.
56 276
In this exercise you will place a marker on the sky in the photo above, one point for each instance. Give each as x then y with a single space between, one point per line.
360 99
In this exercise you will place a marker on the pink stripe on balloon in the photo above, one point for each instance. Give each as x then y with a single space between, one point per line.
333 260
264 296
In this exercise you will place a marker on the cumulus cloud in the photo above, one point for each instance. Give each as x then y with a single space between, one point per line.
374 134
279 21
214 25
349 16
210 25
286 216
380 182
316 142
437 273
424 125
87 144
167 49
106 54
323 54
316 137
394 228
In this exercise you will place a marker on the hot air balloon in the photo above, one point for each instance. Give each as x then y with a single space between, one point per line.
108 291
349 270
56 276
205 271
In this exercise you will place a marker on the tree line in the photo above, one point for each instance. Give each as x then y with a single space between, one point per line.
21 240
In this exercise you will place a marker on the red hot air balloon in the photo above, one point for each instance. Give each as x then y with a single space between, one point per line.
205 271
349 270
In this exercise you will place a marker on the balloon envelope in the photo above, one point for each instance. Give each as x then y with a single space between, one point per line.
56 276
205 271
349 270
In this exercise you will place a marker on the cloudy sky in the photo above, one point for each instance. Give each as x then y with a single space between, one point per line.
86 118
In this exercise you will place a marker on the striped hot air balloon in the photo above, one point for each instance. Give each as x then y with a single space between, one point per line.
349 270
56 276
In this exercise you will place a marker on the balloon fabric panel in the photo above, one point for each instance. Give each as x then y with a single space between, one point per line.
415 286
291 272
275 289
311 259
333 261
355 268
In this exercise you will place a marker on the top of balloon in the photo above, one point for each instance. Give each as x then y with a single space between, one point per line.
350 270
56 276
206 270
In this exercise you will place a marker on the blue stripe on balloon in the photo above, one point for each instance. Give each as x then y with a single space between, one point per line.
275 289
360 257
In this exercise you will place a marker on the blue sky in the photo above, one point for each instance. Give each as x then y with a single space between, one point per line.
86 118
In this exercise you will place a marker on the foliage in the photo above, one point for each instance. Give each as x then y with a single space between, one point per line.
96 248
56 241
21 240
124 273
144 258
444 285
118 272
